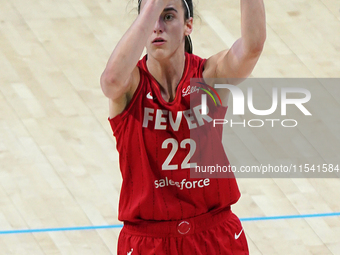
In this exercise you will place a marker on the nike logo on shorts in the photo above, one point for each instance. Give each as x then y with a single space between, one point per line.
130 252
239 234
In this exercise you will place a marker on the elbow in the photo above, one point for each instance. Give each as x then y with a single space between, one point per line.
259 43
109 85
111 75
106 82
112 87
256 48
254 44
107 78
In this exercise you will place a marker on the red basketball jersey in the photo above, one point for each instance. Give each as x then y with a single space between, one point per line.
158 142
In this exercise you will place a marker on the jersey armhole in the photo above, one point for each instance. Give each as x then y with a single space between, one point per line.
202 67
120 117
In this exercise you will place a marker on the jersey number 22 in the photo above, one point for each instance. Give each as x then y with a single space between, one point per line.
185 164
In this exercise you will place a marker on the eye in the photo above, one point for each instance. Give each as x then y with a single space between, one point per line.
168 17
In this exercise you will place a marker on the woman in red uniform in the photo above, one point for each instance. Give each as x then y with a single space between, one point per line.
154 114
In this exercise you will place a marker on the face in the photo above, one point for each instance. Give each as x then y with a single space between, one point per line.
169 31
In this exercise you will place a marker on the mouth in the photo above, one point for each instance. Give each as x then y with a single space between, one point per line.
158 41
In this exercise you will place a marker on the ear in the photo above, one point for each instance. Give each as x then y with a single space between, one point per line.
188 26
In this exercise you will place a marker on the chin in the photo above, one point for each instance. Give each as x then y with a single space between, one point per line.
159 54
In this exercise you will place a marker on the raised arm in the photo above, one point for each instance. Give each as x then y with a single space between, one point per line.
240 60
121 73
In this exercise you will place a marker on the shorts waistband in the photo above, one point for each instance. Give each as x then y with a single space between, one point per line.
177 228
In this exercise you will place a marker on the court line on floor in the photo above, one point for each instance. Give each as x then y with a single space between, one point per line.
287 217
283 217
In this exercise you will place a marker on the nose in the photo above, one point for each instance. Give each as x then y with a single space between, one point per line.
159 26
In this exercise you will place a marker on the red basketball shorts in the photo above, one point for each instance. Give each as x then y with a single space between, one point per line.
208 234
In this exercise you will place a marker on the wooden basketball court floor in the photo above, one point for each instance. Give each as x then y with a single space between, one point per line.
58 162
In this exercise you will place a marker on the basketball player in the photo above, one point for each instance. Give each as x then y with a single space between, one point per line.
152 114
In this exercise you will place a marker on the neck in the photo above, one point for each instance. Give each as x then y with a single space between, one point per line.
168 73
